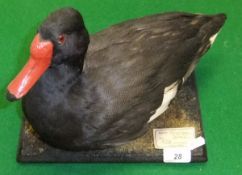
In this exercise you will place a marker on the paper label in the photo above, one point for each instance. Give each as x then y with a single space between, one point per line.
173 137
177 155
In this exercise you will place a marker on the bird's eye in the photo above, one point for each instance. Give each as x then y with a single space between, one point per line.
61 39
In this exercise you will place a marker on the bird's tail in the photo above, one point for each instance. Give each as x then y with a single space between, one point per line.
218 21
208 33
213 26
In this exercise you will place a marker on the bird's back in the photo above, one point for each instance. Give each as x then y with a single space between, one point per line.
141 45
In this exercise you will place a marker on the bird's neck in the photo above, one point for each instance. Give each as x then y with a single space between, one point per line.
73 63
65 71
59 78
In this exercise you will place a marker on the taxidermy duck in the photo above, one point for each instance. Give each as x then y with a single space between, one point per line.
81 92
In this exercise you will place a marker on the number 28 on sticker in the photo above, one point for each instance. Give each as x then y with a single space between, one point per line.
177 155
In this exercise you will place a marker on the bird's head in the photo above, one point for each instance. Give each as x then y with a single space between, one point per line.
61 39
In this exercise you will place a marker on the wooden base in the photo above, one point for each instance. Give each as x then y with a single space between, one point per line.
184 111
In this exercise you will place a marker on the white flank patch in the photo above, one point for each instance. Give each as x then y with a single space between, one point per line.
212 38
169 94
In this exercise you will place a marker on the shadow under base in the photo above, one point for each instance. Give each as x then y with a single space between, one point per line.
184 111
